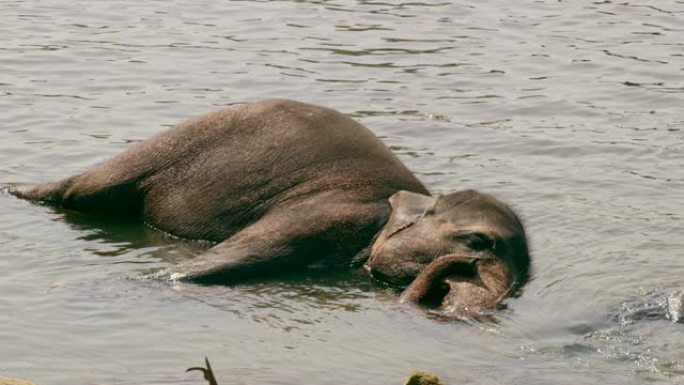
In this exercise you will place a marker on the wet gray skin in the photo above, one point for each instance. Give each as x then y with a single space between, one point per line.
280 185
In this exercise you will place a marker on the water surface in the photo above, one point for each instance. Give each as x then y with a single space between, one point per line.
570 111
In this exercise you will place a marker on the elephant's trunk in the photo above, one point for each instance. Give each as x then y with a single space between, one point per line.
460 285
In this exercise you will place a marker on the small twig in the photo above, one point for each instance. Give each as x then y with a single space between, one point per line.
208 373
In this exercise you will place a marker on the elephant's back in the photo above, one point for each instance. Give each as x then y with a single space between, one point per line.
219 172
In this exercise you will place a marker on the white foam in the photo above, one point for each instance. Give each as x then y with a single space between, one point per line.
674 306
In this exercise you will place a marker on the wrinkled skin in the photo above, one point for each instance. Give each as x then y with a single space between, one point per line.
281 185
461 253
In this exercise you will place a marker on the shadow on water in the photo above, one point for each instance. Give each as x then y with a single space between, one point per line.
320 286
287 301
290 293
123 235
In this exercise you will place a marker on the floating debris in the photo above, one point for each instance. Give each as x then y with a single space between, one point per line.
208 373
423 378
415 378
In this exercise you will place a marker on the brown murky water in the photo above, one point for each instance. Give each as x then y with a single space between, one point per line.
573 112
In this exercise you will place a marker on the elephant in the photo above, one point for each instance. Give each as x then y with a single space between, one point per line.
279 185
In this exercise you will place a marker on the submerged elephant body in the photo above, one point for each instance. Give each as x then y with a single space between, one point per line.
281 184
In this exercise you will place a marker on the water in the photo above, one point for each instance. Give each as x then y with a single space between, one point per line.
570 111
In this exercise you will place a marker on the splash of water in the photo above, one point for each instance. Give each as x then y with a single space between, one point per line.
674 306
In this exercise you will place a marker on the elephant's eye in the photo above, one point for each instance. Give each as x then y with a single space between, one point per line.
477 241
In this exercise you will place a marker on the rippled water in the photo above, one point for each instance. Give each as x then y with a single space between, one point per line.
573 112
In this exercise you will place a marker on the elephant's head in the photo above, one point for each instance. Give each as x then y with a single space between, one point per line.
458 254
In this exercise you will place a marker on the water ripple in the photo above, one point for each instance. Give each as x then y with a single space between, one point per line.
569 111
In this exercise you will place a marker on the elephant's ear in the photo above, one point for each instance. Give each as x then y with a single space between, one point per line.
407 205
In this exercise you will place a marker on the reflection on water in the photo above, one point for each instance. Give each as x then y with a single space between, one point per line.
569 111
290 302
